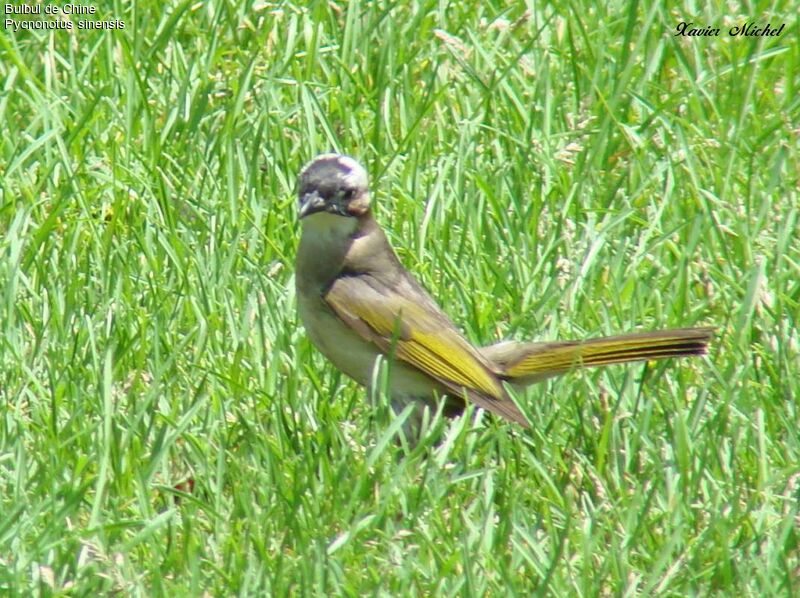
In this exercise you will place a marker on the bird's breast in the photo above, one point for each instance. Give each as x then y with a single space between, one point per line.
356 356
348 352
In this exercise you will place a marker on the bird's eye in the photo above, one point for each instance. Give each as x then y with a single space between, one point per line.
348 194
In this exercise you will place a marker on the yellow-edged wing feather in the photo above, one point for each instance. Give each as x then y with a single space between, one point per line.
421 336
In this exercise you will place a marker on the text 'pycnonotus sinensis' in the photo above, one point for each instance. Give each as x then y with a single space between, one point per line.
358 302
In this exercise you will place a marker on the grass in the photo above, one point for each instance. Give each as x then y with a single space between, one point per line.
166 427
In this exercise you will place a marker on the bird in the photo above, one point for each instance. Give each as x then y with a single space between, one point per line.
359 305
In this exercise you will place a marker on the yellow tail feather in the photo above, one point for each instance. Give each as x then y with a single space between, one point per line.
527 363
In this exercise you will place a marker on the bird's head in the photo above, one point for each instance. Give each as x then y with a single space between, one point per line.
333 184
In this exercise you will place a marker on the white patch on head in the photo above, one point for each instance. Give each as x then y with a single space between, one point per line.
357 178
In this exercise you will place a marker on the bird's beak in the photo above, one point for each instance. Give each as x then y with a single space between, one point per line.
310 203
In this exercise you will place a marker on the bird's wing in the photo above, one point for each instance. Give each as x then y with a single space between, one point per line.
420 336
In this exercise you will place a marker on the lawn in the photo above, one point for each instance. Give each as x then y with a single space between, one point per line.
547 171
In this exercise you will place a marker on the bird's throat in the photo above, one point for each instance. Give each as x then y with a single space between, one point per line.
324 243
325 228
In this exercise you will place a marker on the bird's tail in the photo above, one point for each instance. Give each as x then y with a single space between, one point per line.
527 363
